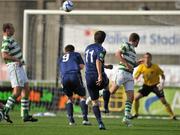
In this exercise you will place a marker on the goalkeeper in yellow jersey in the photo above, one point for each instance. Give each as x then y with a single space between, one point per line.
151 74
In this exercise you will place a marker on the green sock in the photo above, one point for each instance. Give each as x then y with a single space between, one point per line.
25 107
9 104
128 106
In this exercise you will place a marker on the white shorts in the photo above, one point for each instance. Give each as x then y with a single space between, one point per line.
124 78
17 75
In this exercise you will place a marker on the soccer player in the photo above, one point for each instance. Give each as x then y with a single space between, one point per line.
12 55
71 64
151 74
127 58
96 79
104 93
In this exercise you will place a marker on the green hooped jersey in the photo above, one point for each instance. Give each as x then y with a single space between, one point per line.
129 55
10 46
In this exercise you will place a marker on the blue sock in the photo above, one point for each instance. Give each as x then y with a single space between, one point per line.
84 109
97 113
106 97
69 107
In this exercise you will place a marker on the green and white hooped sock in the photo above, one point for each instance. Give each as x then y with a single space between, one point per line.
9 104
128 106
24 107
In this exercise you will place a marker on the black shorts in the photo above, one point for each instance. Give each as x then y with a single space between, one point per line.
93 89
72 83
145 90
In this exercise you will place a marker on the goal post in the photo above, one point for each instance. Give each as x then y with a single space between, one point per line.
159 32
83 12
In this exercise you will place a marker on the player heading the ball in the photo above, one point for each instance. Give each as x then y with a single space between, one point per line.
127 62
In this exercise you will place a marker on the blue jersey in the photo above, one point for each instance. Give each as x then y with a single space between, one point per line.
69 63
92 53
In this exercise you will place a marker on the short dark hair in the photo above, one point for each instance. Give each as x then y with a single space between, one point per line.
7 26
134 37
69 48
99 36
149 54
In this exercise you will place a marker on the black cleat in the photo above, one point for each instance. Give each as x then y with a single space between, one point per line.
7 118
30 119
174 118
134 116
101 126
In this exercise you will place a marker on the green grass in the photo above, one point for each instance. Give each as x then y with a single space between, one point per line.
58 126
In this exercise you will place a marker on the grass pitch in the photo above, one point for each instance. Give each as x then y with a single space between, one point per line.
59 126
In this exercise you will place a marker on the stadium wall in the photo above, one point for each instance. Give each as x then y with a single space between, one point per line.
12 11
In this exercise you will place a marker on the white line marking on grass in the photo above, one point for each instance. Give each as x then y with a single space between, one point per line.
139 117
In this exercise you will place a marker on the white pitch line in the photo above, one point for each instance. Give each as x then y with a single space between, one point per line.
139 117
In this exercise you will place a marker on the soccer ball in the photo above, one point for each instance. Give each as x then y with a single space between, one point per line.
67 6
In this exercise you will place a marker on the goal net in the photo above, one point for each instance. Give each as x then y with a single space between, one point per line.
46 32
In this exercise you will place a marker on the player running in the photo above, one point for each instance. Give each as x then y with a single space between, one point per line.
127 58
96 78
12 55
151 74
71 64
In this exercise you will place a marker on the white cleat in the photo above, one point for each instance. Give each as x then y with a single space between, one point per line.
88 100
127 122
87 123
101 92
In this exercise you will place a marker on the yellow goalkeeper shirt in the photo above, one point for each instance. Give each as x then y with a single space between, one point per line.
151 75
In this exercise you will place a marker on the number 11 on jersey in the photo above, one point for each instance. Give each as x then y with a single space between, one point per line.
89 54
